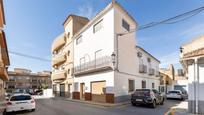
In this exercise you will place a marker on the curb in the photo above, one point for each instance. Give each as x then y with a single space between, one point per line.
99 104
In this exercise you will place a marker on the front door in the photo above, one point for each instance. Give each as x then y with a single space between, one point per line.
82 90
62 90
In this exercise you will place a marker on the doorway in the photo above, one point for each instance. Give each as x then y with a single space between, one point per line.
82 91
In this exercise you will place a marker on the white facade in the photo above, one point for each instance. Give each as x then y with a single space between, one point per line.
192 59
91 45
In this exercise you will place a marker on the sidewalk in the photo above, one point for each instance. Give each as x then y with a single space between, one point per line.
41 97
99 104
181 109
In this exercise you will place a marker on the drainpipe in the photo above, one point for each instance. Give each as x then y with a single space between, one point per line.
195 104
197 83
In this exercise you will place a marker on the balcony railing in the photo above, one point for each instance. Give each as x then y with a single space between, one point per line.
58 60
61 75
100 64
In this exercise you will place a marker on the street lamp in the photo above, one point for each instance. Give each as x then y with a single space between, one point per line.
113 57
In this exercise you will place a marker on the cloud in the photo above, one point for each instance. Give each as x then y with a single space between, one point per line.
86 10
171 58
193 31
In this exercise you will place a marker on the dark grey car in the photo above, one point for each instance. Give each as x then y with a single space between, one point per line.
147 97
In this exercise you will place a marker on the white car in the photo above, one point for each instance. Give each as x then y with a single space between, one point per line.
175 94
19 102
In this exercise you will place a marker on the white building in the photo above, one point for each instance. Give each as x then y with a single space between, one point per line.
192 59
108 66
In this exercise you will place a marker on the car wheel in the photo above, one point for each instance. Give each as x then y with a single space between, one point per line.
133 104
32 110
154 104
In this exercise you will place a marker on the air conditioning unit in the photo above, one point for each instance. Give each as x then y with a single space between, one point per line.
139 54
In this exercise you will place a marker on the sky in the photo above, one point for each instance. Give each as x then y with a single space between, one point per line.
32 25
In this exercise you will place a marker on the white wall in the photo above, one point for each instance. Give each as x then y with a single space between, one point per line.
92 42
87 79
121 83
201 82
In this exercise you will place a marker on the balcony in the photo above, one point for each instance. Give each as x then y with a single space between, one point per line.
151 71
142 68
61 75
57 60
100 64
3 73
59 42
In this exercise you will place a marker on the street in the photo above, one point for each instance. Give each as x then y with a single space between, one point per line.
63 107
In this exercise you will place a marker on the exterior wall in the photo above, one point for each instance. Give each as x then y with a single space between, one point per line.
92 42
87 79
121 85
128 62
196 87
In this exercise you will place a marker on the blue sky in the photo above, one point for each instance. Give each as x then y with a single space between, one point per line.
32 25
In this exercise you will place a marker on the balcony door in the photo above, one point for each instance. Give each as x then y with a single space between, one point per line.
98 55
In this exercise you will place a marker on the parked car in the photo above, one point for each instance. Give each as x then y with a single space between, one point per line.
19 102
147 97
176 94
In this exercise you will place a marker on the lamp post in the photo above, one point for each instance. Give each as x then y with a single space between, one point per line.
113 58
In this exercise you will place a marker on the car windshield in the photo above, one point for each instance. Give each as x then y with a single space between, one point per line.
20 98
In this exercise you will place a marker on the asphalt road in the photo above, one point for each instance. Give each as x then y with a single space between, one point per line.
62 107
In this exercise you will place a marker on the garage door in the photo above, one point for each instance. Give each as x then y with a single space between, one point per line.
98 90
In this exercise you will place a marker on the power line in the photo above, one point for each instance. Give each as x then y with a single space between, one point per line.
174 19
29 56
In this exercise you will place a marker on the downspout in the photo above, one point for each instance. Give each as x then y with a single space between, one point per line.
197 82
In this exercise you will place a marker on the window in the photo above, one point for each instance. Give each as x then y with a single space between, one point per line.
68 71
148 60
131 85
76 84
68 53
153 86
78 40
82 62
143 84
97 26
125 25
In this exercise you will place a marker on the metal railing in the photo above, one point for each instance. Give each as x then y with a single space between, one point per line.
97 64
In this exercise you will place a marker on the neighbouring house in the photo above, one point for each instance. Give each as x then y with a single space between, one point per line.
172 80
4 58
25 79
107 63
62 58
192 60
